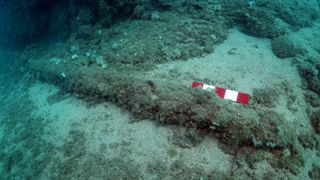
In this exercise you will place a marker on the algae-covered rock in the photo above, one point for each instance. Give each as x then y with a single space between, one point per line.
187 138
312 98
261 23
265 97
284 47
310 74
171 103
315 121
253 18
314 173
269 19
147 42
297 13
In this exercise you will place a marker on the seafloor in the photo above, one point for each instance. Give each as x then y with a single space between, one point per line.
101 89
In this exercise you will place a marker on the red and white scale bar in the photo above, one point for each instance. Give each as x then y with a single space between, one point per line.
235 96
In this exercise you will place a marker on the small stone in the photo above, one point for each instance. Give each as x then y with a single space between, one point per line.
73 49
286 153
55 60
74 56
104 66
63 75
155 16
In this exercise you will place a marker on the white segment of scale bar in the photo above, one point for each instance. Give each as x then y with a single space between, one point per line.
231 95
208 87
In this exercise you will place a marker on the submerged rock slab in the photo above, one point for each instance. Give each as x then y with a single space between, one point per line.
170 103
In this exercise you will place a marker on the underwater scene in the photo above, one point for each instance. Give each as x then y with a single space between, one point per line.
160 89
